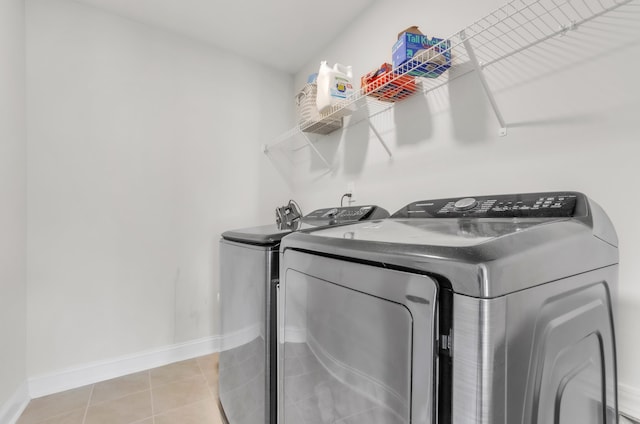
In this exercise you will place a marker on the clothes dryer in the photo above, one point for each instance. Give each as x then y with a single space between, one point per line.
248 282
488 309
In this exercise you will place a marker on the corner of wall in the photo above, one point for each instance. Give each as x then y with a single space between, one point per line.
15 405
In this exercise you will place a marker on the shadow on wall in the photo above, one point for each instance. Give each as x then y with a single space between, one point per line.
594 41
413 121
327 146
580 119
282 163
356 139
469 108
412 124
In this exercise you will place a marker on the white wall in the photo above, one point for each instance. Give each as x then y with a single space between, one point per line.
143 147
13 210
572 109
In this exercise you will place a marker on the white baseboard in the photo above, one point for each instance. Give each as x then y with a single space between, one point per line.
99 371
629 401
13 408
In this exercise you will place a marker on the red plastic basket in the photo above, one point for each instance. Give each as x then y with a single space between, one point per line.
386 86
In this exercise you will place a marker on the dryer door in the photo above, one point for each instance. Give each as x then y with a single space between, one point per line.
356 343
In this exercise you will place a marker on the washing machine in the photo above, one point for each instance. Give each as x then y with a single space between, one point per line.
487 309
248 281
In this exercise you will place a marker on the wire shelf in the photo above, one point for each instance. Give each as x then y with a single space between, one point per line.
506 31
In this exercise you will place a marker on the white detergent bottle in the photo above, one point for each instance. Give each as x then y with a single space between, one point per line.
334 86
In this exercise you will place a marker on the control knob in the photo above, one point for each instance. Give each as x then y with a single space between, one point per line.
465 204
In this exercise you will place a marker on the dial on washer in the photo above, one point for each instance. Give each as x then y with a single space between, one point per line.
465 204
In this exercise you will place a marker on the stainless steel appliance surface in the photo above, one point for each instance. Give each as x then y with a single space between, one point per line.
248 282
487 309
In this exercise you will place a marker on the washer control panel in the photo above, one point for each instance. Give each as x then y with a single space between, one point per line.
345 214
538 205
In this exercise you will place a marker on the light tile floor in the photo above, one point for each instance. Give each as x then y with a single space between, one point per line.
180 393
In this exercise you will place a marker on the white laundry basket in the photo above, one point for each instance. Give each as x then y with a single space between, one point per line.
309 118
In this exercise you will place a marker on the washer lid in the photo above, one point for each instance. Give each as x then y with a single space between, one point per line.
327 217
262 235
436 232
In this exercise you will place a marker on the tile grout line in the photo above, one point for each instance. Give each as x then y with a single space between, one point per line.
49 417
86 409
177 408
89 404
215 399
205 380
153 412
120 396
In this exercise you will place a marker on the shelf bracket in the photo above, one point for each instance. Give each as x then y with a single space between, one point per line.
380 139
316 151
478 68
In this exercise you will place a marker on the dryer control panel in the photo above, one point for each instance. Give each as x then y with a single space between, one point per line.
529 205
